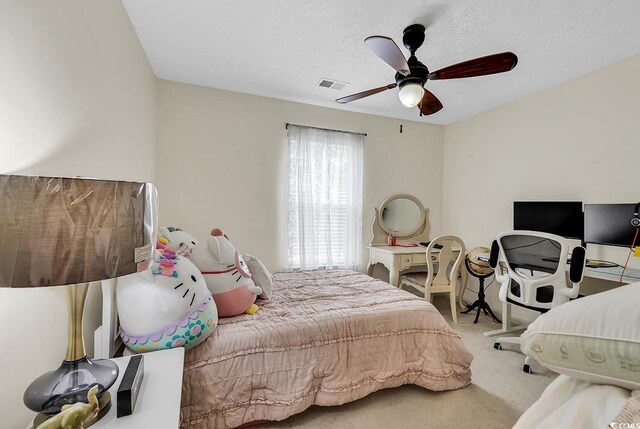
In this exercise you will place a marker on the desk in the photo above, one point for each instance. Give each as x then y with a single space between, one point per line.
611 274
398 258
608 274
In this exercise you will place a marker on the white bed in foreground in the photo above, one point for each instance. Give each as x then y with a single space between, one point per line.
594 342
572 403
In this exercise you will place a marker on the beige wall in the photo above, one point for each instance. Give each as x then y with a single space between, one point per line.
221 159
577 141
77 98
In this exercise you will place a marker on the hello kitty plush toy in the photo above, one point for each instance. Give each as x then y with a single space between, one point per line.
227 275
177 240
165 306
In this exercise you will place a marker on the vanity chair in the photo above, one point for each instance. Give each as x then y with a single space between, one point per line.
436 280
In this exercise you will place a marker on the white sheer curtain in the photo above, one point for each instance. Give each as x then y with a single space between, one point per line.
323 199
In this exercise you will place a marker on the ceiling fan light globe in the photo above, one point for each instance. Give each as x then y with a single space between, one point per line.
411 94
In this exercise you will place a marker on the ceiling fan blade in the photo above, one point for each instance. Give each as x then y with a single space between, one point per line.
363 94
389 52
491 64
429 104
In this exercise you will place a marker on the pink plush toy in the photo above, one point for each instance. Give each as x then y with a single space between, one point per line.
227 275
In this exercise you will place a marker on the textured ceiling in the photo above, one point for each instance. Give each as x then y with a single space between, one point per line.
282 48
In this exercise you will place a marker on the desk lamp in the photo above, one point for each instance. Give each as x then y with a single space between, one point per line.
58 231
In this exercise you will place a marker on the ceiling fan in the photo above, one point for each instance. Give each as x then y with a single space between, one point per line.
412 75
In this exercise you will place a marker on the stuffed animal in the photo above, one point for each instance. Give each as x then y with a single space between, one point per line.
177 240
165 306
226 274
73 416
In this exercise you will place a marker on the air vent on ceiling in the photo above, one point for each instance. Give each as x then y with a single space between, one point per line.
333 84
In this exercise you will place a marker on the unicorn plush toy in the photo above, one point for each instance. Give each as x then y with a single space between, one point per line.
165 306
177 240
227 275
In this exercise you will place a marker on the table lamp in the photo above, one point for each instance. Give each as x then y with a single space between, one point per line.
58 231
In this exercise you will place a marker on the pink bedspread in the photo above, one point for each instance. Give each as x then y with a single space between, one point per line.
325 338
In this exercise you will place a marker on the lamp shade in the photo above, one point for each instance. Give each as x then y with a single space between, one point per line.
410 94
59 231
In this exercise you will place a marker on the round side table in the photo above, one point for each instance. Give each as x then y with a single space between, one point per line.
480 303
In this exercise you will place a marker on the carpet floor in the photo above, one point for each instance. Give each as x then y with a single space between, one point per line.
499 393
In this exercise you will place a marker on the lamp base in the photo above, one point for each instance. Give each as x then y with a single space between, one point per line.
69 384
105 405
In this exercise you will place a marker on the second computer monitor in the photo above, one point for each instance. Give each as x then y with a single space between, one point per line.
609 224
563 218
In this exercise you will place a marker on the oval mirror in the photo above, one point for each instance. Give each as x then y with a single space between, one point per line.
402 215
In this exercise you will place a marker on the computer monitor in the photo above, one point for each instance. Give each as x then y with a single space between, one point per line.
609 224
563 218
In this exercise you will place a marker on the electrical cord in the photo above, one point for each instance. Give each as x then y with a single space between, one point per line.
493 280
552 242
527 245
631 250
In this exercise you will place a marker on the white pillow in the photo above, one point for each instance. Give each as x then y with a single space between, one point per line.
261 276
595 338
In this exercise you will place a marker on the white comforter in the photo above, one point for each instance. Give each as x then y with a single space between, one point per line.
573 403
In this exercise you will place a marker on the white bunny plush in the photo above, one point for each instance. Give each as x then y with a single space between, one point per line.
165 306
227 275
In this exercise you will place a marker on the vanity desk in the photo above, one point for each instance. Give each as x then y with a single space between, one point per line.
406 216
399 258
396 259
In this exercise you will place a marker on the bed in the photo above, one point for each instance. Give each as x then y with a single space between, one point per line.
571 403
326 337
594 343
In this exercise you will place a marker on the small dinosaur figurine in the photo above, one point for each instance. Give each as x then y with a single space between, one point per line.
73 416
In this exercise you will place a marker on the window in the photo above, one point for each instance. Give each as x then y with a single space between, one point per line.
323 199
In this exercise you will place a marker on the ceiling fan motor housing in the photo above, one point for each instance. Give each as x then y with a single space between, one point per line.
418 72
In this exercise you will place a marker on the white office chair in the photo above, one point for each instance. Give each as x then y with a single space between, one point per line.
536 273
439 280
